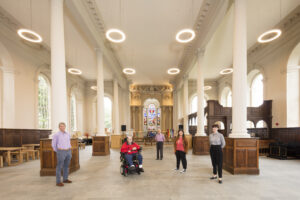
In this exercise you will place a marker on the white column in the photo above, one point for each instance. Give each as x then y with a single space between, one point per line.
186 105
128 127
200 94
8 97
175 111
58 66
100 95
116 108
239 77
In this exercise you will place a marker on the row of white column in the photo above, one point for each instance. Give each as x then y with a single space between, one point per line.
58 75
239 79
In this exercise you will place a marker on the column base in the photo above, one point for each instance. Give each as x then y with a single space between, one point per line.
201 145
101 146
241 156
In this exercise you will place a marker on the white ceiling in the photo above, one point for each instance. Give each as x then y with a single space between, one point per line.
262 15
150 27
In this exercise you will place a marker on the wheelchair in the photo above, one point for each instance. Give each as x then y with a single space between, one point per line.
124 168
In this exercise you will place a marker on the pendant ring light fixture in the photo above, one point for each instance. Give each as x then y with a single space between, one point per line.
276 34
185 31
29 35
129 71
115 31
173 71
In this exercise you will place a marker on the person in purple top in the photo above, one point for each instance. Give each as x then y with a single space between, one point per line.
62 146
159 138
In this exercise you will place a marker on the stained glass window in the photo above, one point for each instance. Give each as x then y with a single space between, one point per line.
158 117
43 102
151 117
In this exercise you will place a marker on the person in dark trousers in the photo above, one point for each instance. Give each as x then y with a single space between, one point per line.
159 138
217 143
181 149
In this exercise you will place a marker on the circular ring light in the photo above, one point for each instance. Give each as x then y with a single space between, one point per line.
29 35
115 31
207 87
185 31
129 71
173 71
74 71
226 71
275 32
94 87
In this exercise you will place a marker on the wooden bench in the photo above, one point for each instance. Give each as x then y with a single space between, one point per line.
9 157
32 153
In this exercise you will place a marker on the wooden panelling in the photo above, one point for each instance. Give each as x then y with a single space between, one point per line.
216 112
200 145
18 137
286 135
241 155
48 157
101 145
116 141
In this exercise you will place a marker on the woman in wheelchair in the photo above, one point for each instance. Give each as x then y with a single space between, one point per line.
131 150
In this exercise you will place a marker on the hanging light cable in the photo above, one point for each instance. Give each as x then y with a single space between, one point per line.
273 34
27 34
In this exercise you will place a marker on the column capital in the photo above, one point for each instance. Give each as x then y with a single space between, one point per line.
8 70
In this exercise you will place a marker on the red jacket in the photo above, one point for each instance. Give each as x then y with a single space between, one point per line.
126 148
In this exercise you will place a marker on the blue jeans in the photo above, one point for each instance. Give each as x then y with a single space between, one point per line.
63 162
129 157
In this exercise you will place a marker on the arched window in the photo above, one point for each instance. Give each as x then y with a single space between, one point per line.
73 112
108 114
43 102
226 97
257 91
229 99
194 104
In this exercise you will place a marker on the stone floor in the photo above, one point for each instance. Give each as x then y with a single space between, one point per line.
99 178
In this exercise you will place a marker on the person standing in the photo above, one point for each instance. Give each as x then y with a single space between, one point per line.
217 143
62 146
159 138
181 149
